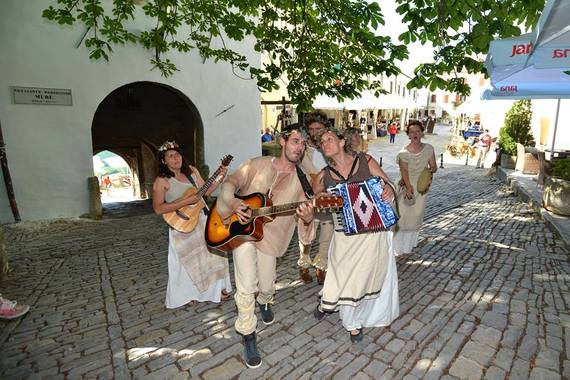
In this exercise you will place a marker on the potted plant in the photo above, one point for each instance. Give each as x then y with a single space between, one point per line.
556 195
516 128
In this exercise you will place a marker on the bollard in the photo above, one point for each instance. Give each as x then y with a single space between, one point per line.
380 161
466 158
441 161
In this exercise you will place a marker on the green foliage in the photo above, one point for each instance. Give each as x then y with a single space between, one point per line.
460 32
516 128
561 169
314 46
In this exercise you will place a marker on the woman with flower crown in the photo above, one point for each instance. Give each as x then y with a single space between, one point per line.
194 274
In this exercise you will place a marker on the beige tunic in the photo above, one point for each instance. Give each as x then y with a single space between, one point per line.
412 217
260 175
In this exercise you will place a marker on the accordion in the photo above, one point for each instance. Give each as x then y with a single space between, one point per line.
363 210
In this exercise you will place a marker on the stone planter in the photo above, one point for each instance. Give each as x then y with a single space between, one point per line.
508 162
556 196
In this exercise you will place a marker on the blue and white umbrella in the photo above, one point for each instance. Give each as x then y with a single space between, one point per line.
534 65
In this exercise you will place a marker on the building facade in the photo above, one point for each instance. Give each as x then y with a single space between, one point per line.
58 108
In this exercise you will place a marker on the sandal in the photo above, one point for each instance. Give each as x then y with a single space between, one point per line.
356 338
226 296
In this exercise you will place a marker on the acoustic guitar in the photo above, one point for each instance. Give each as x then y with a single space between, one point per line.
185 218
231 234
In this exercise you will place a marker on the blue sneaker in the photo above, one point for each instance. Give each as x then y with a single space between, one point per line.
252 357
266 313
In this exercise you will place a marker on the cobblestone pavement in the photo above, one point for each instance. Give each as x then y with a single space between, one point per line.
484 296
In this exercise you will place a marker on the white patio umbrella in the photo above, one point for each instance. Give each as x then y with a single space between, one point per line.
534 65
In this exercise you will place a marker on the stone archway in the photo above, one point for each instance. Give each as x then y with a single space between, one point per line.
134 119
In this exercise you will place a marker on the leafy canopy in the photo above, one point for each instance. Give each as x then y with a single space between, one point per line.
314 47
460 31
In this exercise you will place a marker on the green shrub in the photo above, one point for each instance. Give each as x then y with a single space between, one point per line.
516 128
561 169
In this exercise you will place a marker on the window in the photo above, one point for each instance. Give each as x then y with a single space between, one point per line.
391 87
481 81
446 98
433 98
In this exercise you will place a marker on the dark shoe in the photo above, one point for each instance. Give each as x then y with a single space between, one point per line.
266 313
319 313
305 275
321 274
252 357
358 337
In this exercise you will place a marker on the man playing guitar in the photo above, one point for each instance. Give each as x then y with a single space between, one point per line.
254 262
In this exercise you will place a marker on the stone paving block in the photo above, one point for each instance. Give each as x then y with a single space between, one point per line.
375 369
527 348
566 369
504 358
548 359
464 368
352 368
495 320
395 345
495 373
487 335
555 343
421 367
281 354
511 337
519 370
168 372
308 365
478 352
230 368
538 373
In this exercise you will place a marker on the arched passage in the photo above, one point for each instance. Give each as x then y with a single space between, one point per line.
135 119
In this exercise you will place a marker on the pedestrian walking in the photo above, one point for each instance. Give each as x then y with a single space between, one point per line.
484 145
393 130
417 165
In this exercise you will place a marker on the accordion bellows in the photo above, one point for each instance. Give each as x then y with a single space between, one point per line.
363 209
424 181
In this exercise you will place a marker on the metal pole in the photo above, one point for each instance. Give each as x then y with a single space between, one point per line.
380 161
8 178
555 128
441 161
467 157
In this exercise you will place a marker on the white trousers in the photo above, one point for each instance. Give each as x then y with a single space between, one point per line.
254 272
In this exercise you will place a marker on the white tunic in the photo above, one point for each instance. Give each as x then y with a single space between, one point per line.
192 259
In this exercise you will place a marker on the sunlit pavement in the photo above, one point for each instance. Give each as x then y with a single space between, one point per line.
484 296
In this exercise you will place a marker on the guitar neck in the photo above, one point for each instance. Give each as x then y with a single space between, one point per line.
279 209
209 182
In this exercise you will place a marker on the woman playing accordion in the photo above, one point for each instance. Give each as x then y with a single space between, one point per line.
361 282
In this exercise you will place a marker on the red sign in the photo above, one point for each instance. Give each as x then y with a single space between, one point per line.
560 53
521 49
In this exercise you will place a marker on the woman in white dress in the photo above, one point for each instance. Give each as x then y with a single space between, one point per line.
194 274
362 279
413 159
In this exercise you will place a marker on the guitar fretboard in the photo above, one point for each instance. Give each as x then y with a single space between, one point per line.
209 182
279 209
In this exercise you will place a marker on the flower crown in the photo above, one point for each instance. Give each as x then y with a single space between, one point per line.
168 145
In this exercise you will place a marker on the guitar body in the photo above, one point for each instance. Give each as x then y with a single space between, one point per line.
226 237
185 218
